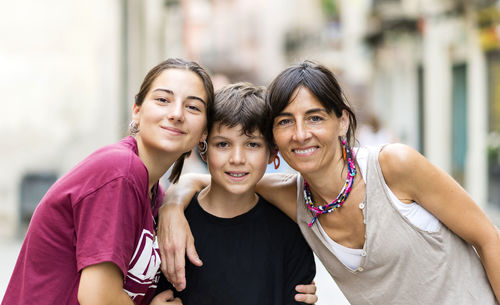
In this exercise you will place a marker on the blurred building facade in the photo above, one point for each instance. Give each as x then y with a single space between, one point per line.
429 70
435 81
61 95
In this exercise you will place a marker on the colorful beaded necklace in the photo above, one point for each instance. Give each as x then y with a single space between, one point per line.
344 192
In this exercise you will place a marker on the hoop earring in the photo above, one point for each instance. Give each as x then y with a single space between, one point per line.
276 159
202 146
133 128
346 150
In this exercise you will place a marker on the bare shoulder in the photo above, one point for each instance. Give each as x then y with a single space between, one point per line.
396 159
401 167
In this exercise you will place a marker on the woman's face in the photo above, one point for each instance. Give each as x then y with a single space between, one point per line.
172 117
306 135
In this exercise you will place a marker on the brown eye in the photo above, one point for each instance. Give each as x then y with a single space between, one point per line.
284 122
162 100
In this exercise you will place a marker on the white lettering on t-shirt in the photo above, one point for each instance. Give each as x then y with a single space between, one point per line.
143 266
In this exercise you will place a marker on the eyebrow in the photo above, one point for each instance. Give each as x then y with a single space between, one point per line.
217 137
191 97
314 110
259 137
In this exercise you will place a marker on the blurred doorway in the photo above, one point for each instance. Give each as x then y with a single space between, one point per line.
494 129
33 188
421 109
459 122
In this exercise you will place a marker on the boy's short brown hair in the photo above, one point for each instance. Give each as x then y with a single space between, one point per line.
242 104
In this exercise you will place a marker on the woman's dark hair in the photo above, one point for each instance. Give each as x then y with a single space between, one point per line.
182 64
242 104
320 81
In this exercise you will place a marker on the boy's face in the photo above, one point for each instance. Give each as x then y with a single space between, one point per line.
236 161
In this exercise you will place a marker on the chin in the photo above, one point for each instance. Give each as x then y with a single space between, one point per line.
305 169
238 190
174 148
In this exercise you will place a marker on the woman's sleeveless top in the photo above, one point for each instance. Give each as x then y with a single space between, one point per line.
401 263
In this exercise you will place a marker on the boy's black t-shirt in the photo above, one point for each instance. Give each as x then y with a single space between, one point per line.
255 258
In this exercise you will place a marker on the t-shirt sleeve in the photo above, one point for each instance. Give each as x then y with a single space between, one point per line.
106 225
300 267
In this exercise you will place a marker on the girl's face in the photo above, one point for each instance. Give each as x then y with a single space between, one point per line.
172 117
306 135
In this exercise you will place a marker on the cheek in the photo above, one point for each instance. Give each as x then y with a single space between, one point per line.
278 135
198 126
260 161
214 160
280 138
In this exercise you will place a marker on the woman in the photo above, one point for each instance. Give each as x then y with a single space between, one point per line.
92 238
389 226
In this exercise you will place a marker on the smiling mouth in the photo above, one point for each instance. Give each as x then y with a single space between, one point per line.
305 151
173 130
236 174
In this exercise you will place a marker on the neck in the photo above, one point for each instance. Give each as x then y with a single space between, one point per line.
156 162
221 203
326 184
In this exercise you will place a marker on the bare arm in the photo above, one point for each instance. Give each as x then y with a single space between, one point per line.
174 235
413 178
102 284
281 191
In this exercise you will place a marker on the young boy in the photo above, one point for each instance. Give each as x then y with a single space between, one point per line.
252 252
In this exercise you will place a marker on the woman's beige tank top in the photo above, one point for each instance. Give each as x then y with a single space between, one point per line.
401 263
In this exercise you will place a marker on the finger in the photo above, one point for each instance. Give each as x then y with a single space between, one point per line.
162 245
306 298
192 254
166 295
180 272
172 255
163 265
311 288
175 301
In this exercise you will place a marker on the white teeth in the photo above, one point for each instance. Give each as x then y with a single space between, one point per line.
237 175
305 151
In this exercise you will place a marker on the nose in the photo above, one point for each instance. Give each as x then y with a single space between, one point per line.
176 112
301 134
237 156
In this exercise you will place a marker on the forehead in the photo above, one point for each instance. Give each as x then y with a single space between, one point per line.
180 81
222 130
301 98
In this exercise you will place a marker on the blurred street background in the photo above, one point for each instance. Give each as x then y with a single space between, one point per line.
422 72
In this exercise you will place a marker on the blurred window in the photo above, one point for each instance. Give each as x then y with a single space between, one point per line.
421 109
376 2
33 188
494 129
459 122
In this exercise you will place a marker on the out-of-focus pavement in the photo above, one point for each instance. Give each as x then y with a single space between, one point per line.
328 292
9 249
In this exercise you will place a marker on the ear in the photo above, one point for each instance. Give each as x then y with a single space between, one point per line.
344 123
204 157
204 135
272 155
136 113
